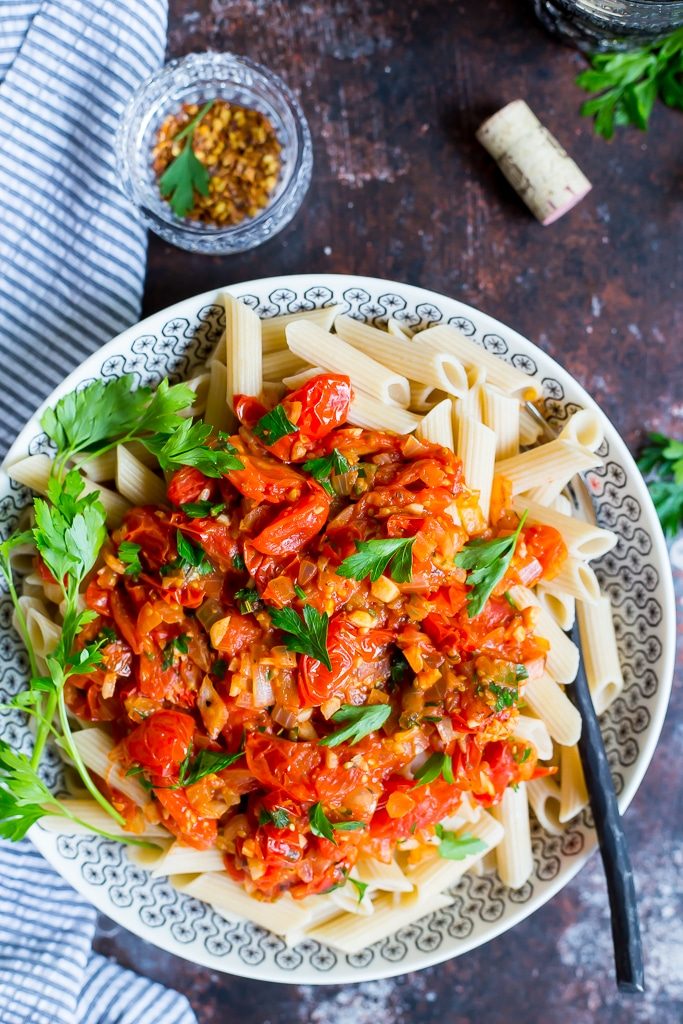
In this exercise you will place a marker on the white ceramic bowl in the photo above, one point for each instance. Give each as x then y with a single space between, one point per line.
635 574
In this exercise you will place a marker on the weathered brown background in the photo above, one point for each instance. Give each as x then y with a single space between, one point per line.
394 91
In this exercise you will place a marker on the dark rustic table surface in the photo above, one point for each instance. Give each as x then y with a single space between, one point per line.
394 92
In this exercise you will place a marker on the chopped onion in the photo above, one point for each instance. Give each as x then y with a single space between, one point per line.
284 716
445 730
263 691
343 483
209 612
307 571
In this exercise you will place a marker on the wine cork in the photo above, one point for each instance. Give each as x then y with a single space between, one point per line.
533 161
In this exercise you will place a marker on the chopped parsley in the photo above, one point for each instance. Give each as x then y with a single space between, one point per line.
486 562
273 426
176 643
361 721
129 555
374 557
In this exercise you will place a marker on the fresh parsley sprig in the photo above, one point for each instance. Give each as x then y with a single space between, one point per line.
277 817
374 557
361 721
454 846
304 636
185 173
202 509
661 462
434 766
324 828
129 554
322 469
188 445
628 84
486 562
191 556
273 426
207 762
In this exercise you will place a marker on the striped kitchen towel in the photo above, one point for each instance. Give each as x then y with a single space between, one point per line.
72 250
72 260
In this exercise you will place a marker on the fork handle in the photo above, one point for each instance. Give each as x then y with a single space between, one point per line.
628 949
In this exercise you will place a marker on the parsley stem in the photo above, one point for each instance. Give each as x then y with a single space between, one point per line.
68 744
189 128
64 812
6 569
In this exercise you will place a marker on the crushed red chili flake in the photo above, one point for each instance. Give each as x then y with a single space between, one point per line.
240 151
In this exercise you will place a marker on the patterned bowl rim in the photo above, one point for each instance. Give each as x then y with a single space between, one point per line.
338 284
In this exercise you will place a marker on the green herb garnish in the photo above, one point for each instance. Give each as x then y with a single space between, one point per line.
374 557
434 766
129 555
202 509
360 887
361 721
323 827
207 762
177 643
188 446
629 83
661 461
248 599
486 562
329 465
304 636
277 817
191 556
185 174
274 425
457 847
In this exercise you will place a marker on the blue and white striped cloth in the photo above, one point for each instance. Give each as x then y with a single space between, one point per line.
72 260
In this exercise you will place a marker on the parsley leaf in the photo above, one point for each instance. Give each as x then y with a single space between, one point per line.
506 696
360 887
277 817
373 557
628 84
329 465
248 599
185 173
349 826
661 461
305 637
188 446
454 846
320 823
361 722
207 762
202 509
191 556
437 764
486 562
128 554
177 643
274 425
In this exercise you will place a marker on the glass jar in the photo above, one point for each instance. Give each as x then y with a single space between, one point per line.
198 78
596 25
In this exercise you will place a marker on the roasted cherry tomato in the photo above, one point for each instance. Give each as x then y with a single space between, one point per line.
404 807
281 764
160 743
294 527
184 821
188 484
349 650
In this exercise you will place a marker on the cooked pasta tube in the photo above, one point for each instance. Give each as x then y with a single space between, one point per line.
584 428
535 731
445 338
332 353
397 329
544 797
200 385
437 426
243 349
575 578
420 362
501 414
562 661
94 816
600 653
297 379
438 873
102 467
95 748
513 853
43 632
553 463
573 792
217 412
273 337
277 365
477 449
383 877
424 397
562 607
180 860
389 915
136 482
366 411
547 700
529 428
583 540
34 472
349 900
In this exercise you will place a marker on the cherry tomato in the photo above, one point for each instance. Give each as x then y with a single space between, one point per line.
213 536
184 821
187 485
281 764
294 527
161 742
421 806
238 632
348 650
262 479
151 530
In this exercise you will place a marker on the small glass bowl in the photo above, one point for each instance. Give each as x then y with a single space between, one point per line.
198 78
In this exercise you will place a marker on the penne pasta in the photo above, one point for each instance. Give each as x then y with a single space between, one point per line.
584 429
529 428
499 373
367 412
554 463
389 914
273 329
136 482
437 426
438 873
95 747
243 349
573 792
332 353
513 853
382 877
297 379
600 653
535 731
277 365
544 797
547 700
418 362
477 449
181 860
560 606
562 661
34 472
218 413
103 467
424 397
43 632
200 386
93 816
501 414
397 329
583 540
575 578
